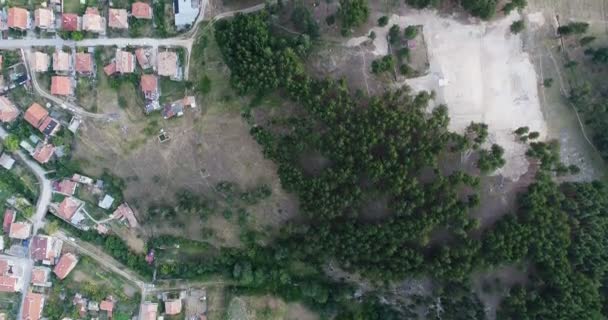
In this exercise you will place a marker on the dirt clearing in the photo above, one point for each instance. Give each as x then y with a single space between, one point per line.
481 72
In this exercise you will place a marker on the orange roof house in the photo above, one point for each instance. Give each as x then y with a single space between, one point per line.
40 276
61 61
20 230
173 307
84 63
68 207
18 18
125 61
61 86
40 62
44 18
110 69
35 115
9 218
8 111
69 22
32 306
118 18
43 152
149 86
92 21
125 212
167 64
107 305
142 58
148 311
66 264
141 10
65 186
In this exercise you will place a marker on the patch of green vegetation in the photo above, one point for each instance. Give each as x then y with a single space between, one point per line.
72 6
171 90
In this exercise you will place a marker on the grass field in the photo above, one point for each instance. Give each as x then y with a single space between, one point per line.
72 6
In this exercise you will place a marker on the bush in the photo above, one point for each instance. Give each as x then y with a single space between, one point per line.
411 32
517 26
393 34
573 28
586 40
383 21
383 64
548 82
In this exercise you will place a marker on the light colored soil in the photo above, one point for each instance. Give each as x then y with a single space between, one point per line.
267 308
488 77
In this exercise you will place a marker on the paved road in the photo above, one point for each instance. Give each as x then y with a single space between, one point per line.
44 199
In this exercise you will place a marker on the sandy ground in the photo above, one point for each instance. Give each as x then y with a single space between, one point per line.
481 72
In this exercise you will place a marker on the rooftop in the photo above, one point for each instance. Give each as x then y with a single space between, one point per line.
92 21
61 86
61 61
20 230
106 202
125 212
118 18
173 307
167 63
66 264
149 83
69 22
40 276
32 306
7 162
43 152
186 12
35 115
18 18
8 111
68 207
141 10
44 18
66 186
84 62
40 61
9 217
148 311
143 58
125 61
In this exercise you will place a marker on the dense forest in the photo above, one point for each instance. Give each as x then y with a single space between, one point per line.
388 147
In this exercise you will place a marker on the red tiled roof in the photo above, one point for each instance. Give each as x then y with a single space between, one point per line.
3 266
44 152
92 21
32 306
61 86
148 83
68 207
84 62
38 276
9 217
66 264
148 311
141 10
20 230
8 111
69 22
106 305
66 186
38 248
142 59
118 18
35 115
17 18
173 306
44 18
110 69
8 283
124 211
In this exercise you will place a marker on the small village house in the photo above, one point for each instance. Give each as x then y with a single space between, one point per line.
43 152
32 306
10 276
65 187
84 63
123 212
44 18
149 86
61 61
185 12
148 311
8 111
68 208
141 10
61 86
9 218
92 21
70 22
7 162
118 18
45 249
106 202
40 62
39 118
18 18
143 58
66 264
167 64
40 277
20 230
173 306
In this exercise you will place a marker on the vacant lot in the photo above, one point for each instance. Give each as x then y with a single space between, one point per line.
209 144
266 308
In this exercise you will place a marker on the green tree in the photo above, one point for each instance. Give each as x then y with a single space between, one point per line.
394 34
517 26
383 21
353 13
11 143
411 32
